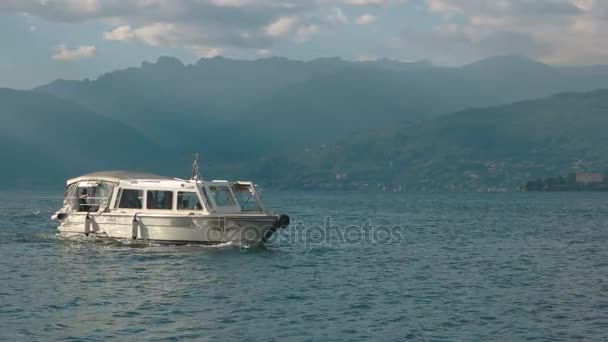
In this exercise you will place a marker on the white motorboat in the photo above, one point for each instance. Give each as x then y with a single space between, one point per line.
153 208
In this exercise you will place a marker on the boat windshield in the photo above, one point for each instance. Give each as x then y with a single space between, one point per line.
245 195
88 196
221 196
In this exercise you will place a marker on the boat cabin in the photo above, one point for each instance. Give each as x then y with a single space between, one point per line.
120 191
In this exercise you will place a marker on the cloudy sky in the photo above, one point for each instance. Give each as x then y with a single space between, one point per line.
46 39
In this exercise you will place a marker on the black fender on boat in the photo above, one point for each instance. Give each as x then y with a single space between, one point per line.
281 222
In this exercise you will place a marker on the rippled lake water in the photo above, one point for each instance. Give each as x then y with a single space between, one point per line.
388 267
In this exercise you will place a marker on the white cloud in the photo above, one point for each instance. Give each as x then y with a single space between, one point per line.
559 31
207 52
264 53
570 31
160 34
190 24
231 3
442 6
186 35
292 27
120 33
281 27
65 54
366 19
365 2
170 35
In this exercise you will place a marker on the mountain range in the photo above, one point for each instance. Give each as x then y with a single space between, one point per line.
481 149
323 123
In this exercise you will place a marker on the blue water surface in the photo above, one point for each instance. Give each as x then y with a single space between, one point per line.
352 267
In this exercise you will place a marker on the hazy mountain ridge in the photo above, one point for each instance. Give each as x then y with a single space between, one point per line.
330 97
323 123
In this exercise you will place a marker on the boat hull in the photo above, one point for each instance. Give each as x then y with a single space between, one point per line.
241 229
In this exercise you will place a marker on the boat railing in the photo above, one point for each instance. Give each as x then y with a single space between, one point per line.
88 203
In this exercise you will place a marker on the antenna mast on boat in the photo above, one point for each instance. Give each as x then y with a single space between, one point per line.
196 173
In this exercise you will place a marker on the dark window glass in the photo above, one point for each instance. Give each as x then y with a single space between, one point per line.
131 199
157 199
188 201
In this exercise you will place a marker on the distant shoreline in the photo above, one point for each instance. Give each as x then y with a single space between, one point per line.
574 182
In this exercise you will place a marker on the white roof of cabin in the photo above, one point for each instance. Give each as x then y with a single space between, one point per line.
140 177
117 176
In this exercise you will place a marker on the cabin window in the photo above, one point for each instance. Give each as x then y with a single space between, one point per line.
159 200
188 201
131 199
222 196
246 197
